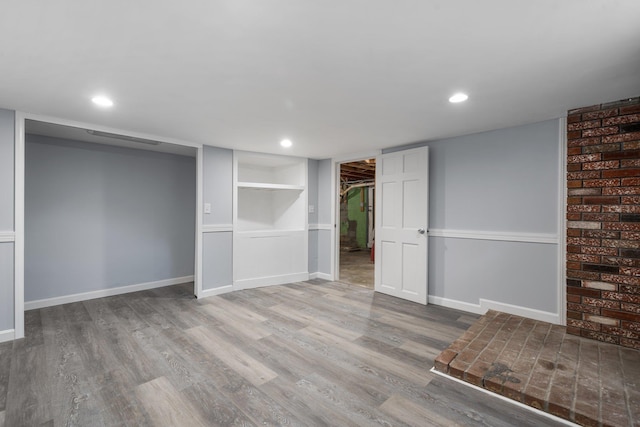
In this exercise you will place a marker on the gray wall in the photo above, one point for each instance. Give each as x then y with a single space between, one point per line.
6 218
218 185
501 181
217 247
99 217
325 216
312 189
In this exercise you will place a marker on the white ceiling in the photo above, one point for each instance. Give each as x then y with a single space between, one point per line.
335 76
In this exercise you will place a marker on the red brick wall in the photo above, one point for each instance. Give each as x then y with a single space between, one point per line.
603 222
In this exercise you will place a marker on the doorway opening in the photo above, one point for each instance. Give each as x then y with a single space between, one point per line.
357 222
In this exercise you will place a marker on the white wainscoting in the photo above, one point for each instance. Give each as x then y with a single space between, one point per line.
216 228
30 305
7 237
320 227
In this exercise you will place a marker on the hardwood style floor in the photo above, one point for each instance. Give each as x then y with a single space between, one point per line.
305 354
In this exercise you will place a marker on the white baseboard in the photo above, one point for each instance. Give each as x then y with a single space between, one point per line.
31 305
215 291
458 305
7 335
318 275
486 305
269 281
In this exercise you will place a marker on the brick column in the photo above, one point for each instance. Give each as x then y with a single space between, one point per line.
603 222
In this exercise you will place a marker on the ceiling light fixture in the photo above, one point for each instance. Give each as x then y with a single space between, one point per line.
102 101
286 143
458 97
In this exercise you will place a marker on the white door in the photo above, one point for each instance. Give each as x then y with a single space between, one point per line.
401 222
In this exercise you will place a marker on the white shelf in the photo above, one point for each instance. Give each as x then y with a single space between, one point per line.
270 239
268 186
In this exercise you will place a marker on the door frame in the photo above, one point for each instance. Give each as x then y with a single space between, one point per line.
19 200
335 203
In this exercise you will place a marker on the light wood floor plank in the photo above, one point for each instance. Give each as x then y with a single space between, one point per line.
304 354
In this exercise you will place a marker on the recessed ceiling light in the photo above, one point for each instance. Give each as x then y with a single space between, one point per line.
459 97
102 101
286 143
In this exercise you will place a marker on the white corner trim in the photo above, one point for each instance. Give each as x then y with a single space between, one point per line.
31 305
502 236
319 275
7 335
486 305
216 228
562 219
7 236
216 291
505 399
320 227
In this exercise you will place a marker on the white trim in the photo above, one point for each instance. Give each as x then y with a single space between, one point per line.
197 268
259 282
562 224
502 236
75 124
354 157
505 399
7 236
319 275
7 335
216 228
18 247
485 305
31 305
216 291
320 227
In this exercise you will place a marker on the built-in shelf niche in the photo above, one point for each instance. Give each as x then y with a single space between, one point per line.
270 193
270 220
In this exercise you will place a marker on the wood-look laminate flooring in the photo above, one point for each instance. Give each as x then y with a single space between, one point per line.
305 354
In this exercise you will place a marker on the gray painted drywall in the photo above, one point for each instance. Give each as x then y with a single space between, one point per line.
6 287
7 120
522 274
313 251
217 255
312 189
325 216
7 123
218 185
217 247
324 251
99 217
502 180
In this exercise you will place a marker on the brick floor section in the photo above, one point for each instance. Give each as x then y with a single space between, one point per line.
588 382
